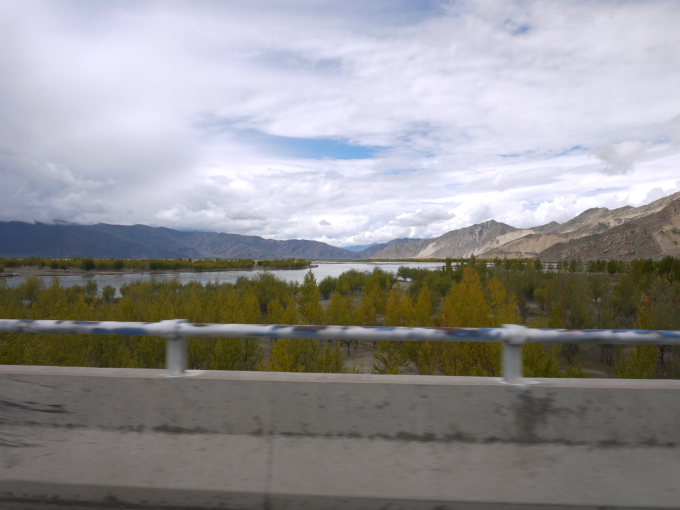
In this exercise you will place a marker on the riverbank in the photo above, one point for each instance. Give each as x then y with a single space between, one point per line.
25 271
117 278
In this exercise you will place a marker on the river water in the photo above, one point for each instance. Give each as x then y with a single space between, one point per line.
321 270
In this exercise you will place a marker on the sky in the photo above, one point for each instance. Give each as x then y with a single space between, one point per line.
348 122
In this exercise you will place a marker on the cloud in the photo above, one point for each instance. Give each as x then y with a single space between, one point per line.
654 194
675 131
423 217
385 119
621 157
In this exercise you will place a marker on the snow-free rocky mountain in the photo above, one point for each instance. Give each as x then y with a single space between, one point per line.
649 231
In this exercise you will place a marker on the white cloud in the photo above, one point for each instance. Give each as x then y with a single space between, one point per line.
173 113
620 157
675 131
423 217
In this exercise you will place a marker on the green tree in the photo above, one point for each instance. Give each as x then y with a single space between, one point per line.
87 264
309 307
640 363
340 312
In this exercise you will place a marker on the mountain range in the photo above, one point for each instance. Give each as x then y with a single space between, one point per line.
102 240
649 231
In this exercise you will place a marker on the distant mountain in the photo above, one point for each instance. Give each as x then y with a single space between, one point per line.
653 231
102 240
358 247
653 234
460 243
649 231
372 250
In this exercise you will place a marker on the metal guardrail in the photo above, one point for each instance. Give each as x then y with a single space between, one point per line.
176 331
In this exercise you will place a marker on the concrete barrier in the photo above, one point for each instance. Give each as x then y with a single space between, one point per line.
112 438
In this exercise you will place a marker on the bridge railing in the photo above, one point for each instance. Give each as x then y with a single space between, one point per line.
512 337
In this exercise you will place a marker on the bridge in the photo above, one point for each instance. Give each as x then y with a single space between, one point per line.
138 438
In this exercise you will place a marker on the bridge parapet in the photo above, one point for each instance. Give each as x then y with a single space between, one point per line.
186 439
117 437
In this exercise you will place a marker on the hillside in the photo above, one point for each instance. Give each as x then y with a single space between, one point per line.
19 239
551 240
460 243
652 235
370 251
649 231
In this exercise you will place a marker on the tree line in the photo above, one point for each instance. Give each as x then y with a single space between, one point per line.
117 264
470 293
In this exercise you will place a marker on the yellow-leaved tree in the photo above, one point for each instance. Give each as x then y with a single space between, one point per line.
466 305
390 357
309 307
423 355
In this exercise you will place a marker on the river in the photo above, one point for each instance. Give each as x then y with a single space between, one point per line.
320 270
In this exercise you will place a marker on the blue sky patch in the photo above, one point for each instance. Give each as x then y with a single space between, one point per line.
317 148
515 28
523 154
573 149
289 146
310 148
400 171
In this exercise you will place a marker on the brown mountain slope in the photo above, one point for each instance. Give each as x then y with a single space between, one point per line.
652 235
591 222
455 244
649 231
531 245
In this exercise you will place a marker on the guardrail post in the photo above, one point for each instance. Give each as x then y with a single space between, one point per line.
176 352
512 353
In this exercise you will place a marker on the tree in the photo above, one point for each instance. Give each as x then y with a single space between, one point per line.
539 363
389 357
91 291
502 308
423 308
87 264
340 313
30 289
641 361
327 286
108 294
237 354
639 364
465 306
292 355
399 309
309 308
